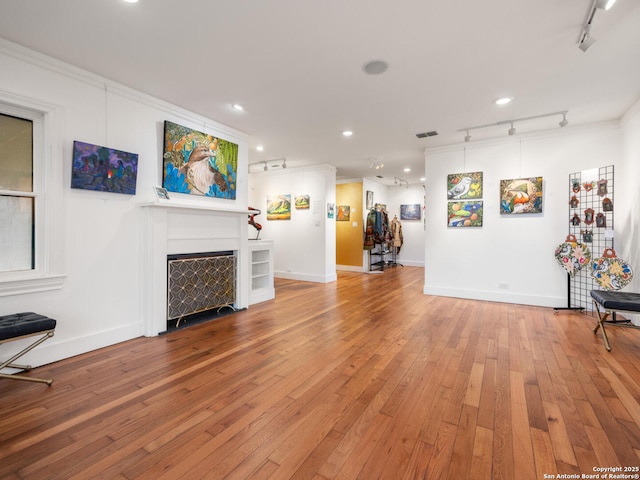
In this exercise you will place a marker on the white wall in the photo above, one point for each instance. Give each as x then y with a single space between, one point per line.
304 246
517 250
101 300
413 231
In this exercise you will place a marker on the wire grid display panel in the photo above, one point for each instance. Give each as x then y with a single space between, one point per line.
596 235
199 284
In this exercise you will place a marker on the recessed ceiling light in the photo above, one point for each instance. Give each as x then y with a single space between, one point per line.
131 1
422 179
259 148
407 170
347 133
237 106
375 67
503 100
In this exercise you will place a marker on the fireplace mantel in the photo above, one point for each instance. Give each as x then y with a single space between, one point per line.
173 227
196 206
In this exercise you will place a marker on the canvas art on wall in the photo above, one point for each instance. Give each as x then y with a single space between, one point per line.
464 185
279 207
410 211
464 214
103 169
302 202
344 213
521 195
198 163
331 207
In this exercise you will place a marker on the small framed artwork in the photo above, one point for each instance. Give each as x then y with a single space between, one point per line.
302 202
344 213
369 199
410 212
103 169
161 193
331 208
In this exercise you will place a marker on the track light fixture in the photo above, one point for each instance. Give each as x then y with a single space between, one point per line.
267 164
376 163
512 129
400 182
585 41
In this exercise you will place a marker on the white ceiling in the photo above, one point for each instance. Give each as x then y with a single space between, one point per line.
296 67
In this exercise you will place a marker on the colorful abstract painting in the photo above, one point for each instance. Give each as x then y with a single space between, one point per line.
344 213
103 169
410 212
464 185
197 163
302 202
464 214
279 207
521 195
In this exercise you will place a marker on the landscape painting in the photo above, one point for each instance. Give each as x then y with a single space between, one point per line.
103 169
410 212
197 163
302 202
279 207
521 195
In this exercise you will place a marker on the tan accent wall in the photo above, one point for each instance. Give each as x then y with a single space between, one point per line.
349 238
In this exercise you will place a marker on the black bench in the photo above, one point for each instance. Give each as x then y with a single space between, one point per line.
612 303
22 325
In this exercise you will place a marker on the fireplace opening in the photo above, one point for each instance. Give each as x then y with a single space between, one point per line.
200 287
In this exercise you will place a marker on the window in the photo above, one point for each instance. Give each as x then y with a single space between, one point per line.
31 233
17 196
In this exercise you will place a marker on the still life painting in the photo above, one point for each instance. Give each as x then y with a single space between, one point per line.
279 207
464 185
103 169
197 163
521 195
465 214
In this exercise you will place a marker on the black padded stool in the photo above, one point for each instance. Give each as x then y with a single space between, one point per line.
22 325
611 303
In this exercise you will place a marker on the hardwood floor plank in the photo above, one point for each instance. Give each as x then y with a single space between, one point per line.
365 377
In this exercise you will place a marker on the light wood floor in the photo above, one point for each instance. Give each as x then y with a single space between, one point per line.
364 378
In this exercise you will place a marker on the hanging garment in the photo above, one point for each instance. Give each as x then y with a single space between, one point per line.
396 234
369 237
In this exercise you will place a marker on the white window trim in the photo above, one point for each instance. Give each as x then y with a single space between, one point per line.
48 273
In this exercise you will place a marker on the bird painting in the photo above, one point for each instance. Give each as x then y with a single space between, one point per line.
200 171
459 189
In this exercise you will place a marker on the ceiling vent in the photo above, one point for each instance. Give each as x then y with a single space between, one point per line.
432 133
379 176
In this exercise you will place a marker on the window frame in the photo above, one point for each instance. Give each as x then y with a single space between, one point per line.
48 237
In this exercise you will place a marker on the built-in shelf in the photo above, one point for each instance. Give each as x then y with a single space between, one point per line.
261 288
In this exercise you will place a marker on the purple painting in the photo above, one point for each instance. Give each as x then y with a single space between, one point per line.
103 169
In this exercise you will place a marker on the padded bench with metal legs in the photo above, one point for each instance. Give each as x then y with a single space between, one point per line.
612 303
24 325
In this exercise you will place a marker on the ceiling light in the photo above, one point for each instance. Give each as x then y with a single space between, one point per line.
512 130
407 170
265 166
467 137
375 67
347 133
503 100
587 41
136 1
422 179
259 148
284 163
605 4
237 106
563 122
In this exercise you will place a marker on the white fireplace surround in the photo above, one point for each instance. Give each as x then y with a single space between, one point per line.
172 228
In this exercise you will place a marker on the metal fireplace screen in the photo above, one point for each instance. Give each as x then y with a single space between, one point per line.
197 284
